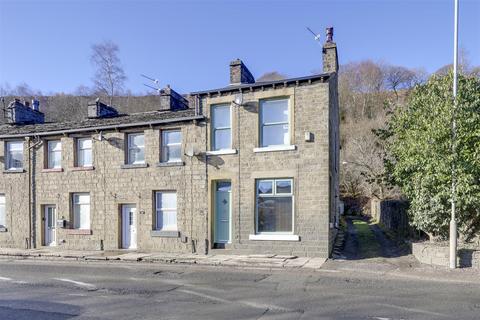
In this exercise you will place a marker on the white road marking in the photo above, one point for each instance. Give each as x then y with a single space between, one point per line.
327 270
78 283
203 295
5 279
247 303
412 309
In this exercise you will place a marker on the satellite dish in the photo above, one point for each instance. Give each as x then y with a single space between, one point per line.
238 99
189 151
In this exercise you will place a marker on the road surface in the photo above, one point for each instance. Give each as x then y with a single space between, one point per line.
52 290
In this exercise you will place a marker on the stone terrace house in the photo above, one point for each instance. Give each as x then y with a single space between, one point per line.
248 168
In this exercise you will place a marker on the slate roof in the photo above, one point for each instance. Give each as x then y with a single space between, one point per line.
258 84
121 121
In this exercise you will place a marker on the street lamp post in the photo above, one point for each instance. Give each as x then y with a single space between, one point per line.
453 222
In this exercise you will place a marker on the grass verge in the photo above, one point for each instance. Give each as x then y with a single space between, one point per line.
369 247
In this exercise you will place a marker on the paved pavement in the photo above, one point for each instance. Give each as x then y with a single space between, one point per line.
41 289
261 261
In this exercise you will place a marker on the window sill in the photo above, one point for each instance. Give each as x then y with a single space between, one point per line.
165 233
13 171
3 229
83 168
274 237
275 148
221 152
53 170
171 164
134 166
79 231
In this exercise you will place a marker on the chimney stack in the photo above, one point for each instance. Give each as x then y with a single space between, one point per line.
98 109
239 73
330 57
21 113
171 100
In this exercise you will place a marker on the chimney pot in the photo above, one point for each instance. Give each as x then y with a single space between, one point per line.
329 38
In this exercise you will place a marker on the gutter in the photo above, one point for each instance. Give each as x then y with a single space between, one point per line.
98 128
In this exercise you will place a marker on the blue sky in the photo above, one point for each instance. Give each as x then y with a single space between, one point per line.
189 44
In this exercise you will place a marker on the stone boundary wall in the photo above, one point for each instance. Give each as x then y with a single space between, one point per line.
438 254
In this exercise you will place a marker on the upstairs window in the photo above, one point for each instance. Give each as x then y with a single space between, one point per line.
171 146
3 215
54 154
166 211
274 122
136 148
14 154
221 127
84 152
81 210
274 212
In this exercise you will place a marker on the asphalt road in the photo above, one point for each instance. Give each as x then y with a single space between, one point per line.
73 290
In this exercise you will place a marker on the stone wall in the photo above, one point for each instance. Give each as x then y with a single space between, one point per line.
392 214
313 166
438 254
308 164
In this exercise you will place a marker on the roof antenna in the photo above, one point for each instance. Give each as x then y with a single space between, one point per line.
156 83
316 35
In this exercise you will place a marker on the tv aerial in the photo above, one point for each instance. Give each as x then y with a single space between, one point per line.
316 35
156 83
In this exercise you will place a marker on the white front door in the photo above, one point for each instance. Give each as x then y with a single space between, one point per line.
129 226
222 211
50 220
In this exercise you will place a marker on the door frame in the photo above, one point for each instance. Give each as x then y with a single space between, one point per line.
45 225
122 226
214 207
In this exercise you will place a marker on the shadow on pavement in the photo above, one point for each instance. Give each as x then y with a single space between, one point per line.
38 310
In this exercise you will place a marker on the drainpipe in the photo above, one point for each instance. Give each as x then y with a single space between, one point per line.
31 191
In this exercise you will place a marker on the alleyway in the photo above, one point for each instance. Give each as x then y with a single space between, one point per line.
366 247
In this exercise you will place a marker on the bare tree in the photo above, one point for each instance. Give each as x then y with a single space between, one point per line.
398 77
109 75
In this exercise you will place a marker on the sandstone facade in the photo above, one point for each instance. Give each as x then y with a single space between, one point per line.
311 161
